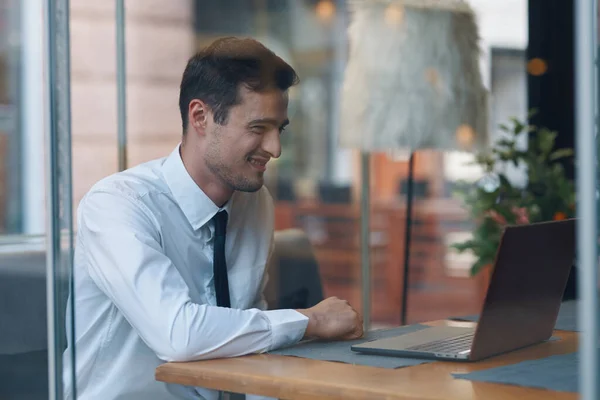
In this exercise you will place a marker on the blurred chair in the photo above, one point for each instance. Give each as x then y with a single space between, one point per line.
294 279
332 193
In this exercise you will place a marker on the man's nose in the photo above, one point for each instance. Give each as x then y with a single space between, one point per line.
272 143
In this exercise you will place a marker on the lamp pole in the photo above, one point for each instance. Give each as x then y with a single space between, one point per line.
365 254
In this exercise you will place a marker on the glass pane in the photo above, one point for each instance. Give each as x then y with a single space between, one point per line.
23 280
10 160
314 183
23 332
314 186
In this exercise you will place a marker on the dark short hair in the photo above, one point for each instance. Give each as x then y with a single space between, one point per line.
215 74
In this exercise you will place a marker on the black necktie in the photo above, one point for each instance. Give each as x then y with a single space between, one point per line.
219 263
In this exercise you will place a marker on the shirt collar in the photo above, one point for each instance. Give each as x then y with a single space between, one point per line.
195 204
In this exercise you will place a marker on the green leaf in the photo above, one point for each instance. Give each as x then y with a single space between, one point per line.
546 140
462 247
518 126
560 153
505 155
531 113
504 180
506 143
521 154
478 266
504 128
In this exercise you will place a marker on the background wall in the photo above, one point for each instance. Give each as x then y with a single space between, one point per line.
159 40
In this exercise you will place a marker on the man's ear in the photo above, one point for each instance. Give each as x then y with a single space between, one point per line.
198 116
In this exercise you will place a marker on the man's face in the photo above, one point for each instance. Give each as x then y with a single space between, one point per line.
237 152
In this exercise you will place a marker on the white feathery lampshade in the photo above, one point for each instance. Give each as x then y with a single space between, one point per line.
413 79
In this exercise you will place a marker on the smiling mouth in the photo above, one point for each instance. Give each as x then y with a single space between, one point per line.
258 164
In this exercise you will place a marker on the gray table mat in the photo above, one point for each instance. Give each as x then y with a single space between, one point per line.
566 321
340 351
558 373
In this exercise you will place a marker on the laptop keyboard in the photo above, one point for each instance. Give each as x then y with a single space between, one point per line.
455 344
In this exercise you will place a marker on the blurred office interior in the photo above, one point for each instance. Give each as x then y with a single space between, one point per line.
527 62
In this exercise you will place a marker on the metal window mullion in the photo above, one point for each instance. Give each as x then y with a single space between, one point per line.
59 188
121 85
587 229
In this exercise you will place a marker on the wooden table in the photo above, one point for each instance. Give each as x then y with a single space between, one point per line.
299 378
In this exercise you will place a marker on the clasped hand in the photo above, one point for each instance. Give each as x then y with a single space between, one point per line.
333 318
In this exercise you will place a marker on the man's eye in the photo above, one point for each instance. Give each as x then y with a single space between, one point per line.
258 129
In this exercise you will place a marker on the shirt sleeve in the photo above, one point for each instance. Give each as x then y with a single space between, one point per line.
123 245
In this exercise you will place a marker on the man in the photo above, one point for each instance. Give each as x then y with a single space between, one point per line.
170 255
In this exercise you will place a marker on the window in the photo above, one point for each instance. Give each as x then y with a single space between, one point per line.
10 198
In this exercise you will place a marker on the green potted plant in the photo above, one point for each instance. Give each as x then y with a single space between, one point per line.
495 202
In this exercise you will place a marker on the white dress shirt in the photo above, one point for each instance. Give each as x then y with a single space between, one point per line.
143 283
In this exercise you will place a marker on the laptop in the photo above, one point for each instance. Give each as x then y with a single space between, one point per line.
521 305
